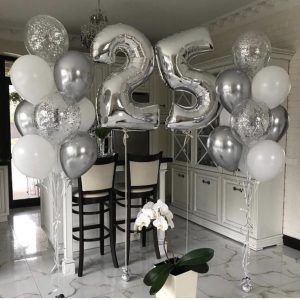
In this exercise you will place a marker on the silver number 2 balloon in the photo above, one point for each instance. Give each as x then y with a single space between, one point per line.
173 55
115 107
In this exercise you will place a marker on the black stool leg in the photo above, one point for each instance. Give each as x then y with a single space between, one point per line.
112 230
128 228
81 237
101 228
143 232
155 241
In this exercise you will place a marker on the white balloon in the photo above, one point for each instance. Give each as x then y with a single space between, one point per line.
32 78
33 156
224 118
265 160
88 114
271 85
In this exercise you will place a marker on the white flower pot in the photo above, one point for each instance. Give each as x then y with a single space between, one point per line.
180 286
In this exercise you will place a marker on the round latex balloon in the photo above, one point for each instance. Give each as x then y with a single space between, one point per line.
251 52
279 124
233 86
271 85
33 156
250 121
87 114
265 160
32 78
46 37
73 75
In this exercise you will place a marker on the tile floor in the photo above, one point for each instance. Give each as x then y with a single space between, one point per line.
26 259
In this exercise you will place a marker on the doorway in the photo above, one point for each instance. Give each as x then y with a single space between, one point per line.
23 190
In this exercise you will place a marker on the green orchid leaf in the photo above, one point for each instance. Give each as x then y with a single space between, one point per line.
196 257
203 268
161 279
152 275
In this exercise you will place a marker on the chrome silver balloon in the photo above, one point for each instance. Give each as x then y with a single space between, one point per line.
250 121
46 37
173 56
24 118
251 52
73 76
56 120
78 154
232 87
224 149
279 124
115 107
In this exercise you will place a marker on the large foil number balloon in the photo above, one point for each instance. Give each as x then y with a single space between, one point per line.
115 107
173 55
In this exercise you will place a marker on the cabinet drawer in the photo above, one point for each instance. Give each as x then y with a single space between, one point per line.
206 196
234 205
179 188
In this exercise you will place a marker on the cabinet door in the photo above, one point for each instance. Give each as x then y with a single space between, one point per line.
234 205
206 196
179 188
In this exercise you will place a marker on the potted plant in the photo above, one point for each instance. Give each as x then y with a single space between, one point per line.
102 133
176 277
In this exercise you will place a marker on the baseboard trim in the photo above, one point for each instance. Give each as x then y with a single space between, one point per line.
291 242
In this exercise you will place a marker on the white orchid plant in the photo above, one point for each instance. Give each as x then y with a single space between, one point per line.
158 213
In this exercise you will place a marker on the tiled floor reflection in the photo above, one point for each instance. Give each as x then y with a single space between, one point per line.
26 260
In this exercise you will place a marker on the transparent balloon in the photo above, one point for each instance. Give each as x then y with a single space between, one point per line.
55 120
46 37
251 52
250 121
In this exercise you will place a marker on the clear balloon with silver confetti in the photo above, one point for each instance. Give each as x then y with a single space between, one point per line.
46 37
250 121
55 120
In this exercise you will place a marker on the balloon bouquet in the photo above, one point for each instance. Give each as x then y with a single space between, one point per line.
252 120
55 114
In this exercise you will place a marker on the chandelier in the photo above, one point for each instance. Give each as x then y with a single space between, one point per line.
88 31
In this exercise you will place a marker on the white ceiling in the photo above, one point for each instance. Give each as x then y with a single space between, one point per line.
155 18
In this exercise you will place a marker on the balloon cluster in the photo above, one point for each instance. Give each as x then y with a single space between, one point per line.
252 120
55 114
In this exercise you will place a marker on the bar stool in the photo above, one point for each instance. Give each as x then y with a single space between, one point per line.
96 187
142 184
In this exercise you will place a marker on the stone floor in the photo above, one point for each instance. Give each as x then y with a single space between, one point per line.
26 259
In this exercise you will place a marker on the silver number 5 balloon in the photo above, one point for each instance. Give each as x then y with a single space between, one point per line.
173 56
115 107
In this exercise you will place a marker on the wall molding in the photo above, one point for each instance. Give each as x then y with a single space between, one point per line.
255 10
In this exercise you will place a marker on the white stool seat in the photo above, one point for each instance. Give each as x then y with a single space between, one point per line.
121 188
92 195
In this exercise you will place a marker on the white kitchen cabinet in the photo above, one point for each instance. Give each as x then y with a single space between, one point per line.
4 196
216 198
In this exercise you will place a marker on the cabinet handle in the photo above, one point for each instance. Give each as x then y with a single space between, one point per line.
206 181
237 189
181 175
162 105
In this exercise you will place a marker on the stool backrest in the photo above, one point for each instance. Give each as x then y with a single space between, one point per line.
101 175
143 170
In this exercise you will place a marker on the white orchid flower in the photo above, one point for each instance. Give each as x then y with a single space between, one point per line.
149 205
161 223
169 218
148 212
161 207
141 221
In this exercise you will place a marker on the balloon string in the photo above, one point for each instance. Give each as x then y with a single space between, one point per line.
125 137
188 136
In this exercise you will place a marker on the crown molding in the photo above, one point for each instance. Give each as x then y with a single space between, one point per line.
255 10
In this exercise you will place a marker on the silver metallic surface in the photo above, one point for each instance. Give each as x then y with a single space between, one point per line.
250 121
279 124
78 154
224 149
173 56
73 76
24 118
56 120
46 37
251 52
115 108
232 87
